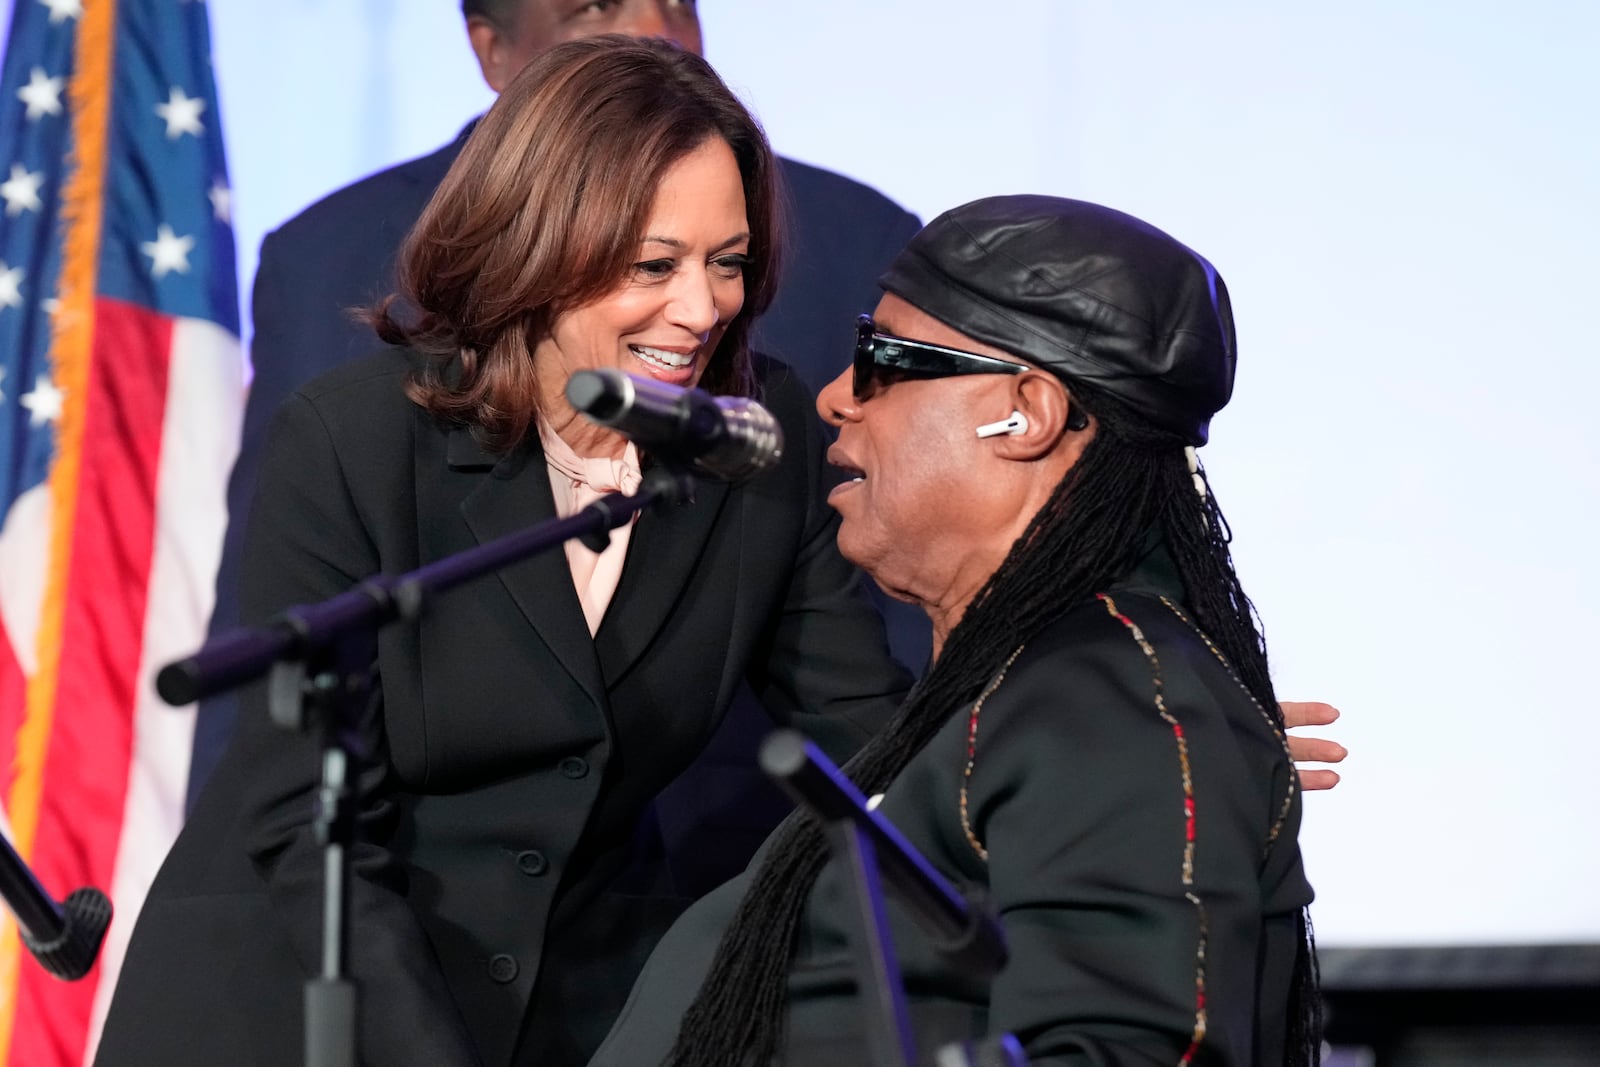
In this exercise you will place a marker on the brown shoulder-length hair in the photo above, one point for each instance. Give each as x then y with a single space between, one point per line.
544 211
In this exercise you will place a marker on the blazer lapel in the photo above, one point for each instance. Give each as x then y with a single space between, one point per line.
663 551
515 494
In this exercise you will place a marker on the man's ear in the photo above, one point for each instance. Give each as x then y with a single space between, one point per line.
1051 419
493 49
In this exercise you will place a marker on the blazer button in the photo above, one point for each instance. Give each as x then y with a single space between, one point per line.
574 767
502 968
532 862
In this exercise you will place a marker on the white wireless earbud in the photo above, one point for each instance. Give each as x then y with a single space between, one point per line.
1017 423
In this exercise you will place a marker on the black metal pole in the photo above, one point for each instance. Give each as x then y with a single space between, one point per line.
332 999
890 1039
331 701
37 914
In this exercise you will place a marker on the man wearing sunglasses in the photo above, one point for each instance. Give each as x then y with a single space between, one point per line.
883 359
1094 749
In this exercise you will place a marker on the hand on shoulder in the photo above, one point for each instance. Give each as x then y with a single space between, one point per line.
1298 714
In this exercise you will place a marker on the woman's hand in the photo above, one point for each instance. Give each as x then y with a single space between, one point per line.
1305 750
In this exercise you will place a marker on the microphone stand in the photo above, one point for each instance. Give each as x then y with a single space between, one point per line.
64 938
321 662
868 844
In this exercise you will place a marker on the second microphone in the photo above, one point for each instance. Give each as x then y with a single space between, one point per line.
728 438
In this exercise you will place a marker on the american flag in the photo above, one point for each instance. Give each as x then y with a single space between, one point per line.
120 399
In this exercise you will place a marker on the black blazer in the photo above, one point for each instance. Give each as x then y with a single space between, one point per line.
1077 794
510 854
340 253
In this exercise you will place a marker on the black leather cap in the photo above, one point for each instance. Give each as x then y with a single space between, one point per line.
1085 292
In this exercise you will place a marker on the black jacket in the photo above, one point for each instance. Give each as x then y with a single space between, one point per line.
1077 794
511 853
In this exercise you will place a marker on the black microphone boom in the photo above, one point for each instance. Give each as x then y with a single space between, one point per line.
958 925
730 438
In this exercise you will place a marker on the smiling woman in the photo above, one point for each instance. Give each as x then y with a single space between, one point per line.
655 228
520 852
670 316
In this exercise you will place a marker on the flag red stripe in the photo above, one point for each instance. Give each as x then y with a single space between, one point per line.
91 744
13 705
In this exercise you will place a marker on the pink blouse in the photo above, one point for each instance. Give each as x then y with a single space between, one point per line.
576 482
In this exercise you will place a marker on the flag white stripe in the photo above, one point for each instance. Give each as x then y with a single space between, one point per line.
199 440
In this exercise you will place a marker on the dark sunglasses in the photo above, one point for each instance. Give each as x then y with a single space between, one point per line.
882 359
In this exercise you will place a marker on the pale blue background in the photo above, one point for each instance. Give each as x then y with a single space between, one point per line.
1402 199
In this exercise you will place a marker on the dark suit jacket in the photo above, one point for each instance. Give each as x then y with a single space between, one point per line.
509 851
1077 793
340 252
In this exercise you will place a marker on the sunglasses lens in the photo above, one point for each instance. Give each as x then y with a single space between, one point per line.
863 367
882 359
881 362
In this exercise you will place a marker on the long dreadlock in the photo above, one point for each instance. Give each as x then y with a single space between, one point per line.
1130 480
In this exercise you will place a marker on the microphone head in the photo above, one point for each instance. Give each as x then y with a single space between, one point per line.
728 438
71 952
602 395
752 441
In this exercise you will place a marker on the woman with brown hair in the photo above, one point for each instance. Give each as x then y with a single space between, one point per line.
615 208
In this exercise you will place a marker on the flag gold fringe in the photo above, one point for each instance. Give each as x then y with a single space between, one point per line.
71 341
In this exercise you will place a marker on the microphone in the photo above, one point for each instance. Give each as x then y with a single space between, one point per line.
730 438
959 925
65 938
